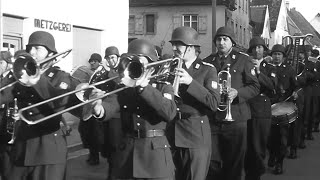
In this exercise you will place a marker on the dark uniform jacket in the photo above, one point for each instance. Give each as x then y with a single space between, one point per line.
243 79
287 83
6 100
260 105
137 156
201 97
309 79
43 143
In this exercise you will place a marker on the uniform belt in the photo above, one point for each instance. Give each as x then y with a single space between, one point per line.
148 133
182 115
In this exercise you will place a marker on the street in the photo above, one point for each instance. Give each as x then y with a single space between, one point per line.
306 167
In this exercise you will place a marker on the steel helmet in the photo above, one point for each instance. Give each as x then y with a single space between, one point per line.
111 50
255 41
143 47
278 48
225 31
42 38
187 35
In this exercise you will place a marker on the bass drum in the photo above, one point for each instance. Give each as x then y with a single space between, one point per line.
284 113
82 73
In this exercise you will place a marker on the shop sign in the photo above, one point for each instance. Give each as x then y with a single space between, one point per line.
52 25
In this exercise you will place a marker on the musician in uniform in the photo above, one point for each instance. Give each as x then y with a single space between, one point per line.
296 131
258 126
92 132
6 98
40 150
229 138
311 92
189 134
145 109
287 83
314 56
112 128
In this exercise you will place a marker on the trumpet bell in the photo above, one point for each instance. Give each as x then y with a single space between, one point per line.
26 70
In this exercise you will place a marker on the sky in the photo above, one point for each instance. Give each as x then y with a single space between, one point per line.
308 8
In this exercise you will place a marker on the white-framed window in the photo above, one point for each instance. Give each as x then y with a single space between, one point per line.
191 20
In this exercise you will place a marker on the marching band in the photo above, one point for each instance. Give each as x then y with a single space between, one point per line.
182 118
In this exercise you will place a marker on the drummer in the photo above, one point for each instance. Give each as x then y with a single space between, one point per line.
286 86
258 127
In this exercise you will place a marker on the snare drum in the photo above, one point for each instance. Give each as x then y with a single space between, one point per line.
82 73
284 113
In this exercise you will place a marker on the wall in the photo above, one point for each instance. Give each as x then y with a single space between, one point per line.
166 22
111 18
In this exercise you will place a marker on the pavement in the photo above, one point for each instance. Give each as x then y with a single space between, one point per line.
305 167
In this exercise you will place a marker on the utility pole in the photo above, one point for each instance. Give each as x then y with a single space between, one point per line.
214 22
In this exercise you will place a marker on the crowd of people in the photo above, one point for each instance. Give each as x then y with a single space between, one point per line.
228 113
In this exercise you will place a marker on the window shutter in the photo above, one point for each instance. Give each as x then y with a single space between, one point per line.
139 24
176 21
202 24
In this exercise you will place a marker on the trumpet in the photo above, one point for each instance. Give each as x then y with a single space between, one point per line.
27 71
131 70
11 121
224 78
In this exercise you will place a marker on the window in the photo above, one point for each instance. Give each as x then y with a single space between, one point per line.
190 21
245 37
131 25
150 24
240 34
236 32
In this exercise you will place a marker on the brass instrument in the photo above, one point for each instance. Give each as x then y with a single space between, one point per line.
294 42
224 81
11 121
133 71
27 71
176 82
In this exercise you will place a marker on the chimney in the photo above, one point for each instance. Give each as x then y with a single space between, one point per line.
288 5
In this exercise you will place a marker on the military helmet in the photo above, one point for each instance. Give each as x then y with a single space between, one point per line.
42 38
278 48
143 47
186 35
95 57
224 31
111 50
255 41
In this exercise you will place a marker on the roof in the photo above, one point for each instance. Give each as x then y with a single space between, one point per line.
138 3
274 9
257 16
304 25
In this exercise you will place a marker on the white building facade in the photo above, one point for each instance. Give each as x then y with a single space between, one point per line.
86 27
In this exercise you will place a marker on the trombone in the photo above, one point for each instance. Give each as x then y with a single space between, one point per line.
224 78
27 71
133 71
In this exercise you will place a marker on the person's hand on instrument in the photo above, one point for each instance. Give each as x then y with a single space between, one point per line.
232 94
97 108
295 95
185 77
